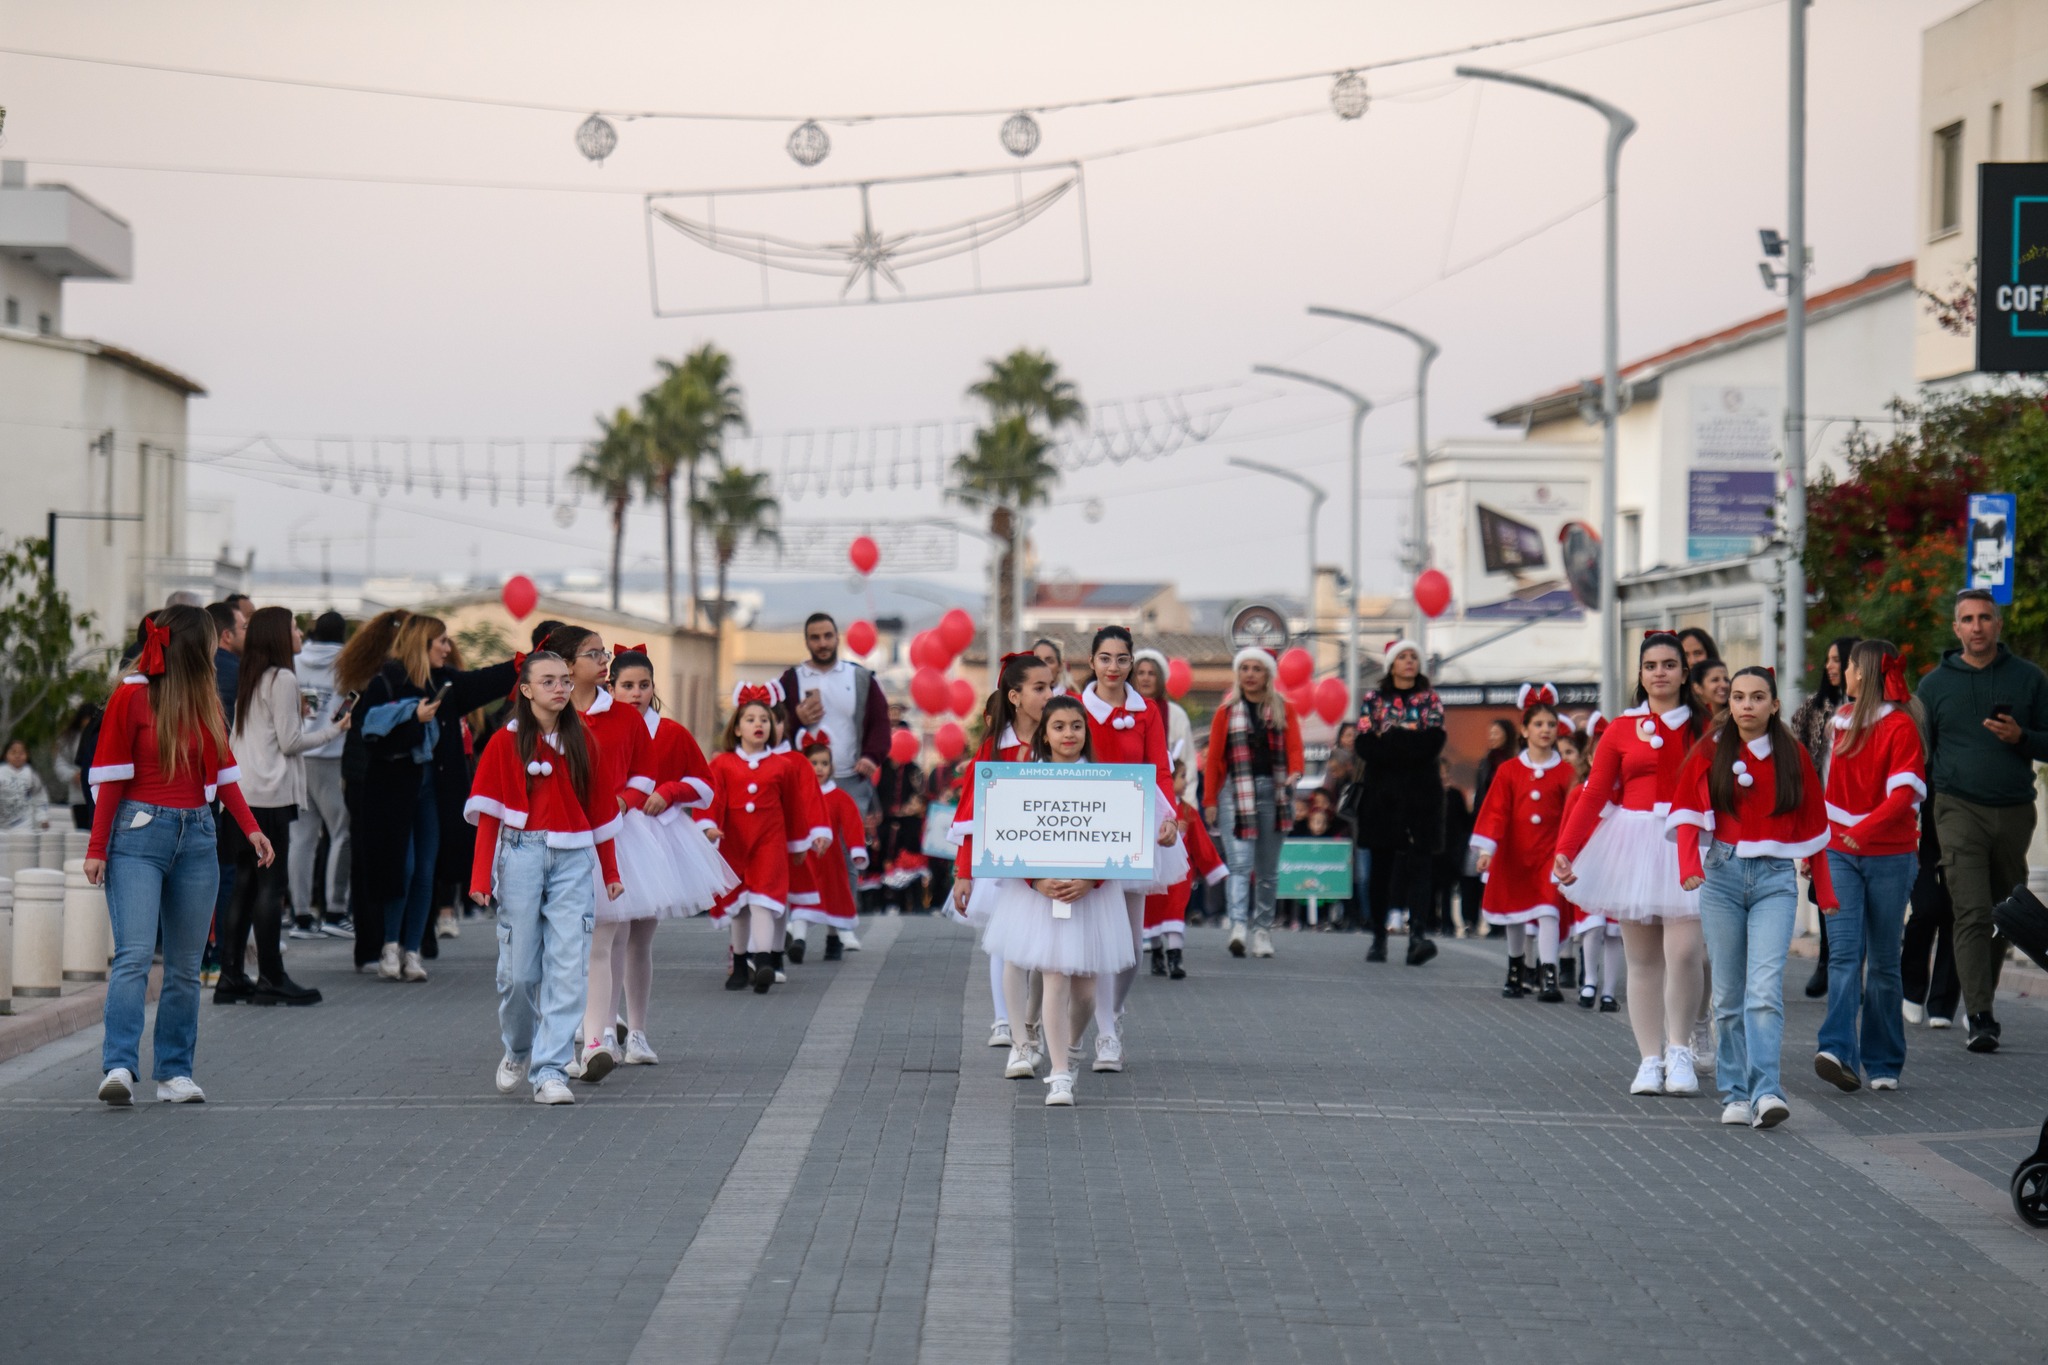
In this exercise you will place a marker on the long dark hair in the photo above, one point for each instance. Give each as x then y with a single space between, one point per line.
366 651
1002 715
1828 695
564 641
1695 723
1705 640
568 730
183 697
1111 633
266 645
1067 701
633 658
1696 675
1785 755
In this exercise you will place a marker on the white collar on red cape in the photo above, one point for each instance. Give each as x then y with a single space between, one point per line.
1841 720
601 705
1009 740
1101 711
653 719
1760 747
1675 717
1555 759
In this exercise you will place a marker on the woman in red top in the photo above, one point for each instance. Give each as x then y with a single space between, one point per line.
1752 787
1877 778
163 755
1614 862
1516 839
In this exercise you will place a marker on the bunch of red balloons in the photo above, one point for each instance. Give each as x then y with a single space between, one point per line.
932 652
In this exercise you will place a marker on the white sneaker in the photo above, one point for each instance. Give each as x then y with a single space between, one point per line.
387 965
594 1062
1771 1111
1021 1065
1262 943
1109 1053
552 1091
1915 1014
849 940
999 1035
1702 1042
1679 1076
1884 1082
1061 1094
414 969
1735 1114
511 1071
1940 1021
446 927
781 977
1237 940
1836 1072
118 1089
180 1090
638 1051
1649 1077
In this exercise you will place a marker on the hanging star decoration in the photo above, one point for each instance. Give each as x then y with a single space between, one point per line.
869 253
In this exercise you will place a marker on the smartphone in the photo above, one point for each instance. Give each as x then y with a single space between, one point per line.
345 702
442 695
2002 711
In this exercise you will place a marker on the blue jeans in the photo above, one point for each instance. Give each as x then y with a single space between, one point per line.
1747 911
546 911
1867 929
160 872
1244 857
405 919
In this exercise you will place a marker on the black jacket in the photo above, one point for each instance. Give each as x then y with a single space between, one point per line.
1401 794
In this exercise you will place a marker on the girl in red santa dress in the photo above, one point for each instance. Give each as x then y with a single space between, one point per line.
1515 837
759 816
544 823
1597 937
1614 862
1124 728
1749 794
1011 715
832 873
1166 912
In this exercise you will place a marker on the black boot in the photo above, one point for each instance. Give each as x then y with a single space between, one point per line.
1421 949
1513 990
765 967
234 989
741 973
1378 951
2022 920
1173 967
1159 959
835 951
284 991
796 948
1567 972
1550 994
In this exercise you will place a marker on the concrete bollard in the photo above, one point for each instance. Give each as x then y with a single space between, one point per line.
6 945
76 843
18 849
86 926
38 932
50 848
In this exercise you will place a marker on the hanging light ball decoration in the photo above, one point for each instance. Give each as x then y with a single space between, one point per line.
808 144
1020 134
1348 96
596 138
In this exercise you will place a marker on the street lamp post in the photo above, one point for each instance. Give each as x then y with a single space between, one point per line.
1619 127
1795 363
1419 631
1360 406
1317 496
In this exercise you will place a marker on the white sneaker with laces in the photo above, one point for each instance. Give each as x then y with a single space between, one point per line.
1915 1014
1237 939
387 965
999 1035
1061 1093
1884 1082
1771 1111
849 940
1262 943
413 969
1735 1114
1940 1021
1679 1076
553 1091
511 1071
594 1061
1109 1053
118 1089
180 1090
1021 1065
638 1051
1649 1077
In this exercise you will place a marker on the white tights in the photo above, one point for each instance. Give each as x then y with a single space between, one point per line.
1666 973
1601 956
1546 940
1109 1002
755 930
1018 994
621 958
1173 939
1068 1000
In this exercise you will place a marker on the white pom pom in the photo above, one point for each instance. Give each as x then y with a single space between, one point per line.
1656 741
1740 766
1744 780
1535 819
540 768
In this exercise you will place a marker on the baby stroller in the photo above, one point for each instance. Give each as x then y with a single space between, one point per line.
2023 921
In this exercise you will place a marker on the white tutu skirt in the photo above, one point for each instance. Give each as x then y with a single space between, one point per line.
1169 869
1094 941
1628 871
669 868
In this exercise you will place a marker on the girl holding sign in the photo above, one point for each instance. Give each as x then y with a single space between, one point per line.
1012 712
1071 929
1516 839
1124 728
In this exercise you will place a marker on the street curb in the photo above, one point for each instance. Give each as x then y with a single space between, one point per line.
24 1033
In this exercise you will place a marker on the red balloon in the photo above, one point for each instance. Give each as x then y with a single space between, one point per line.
928 651
1179 678
520 596
860 636
1297 666
864 553
961 696
956 631
1302 698
950 741
1333 700
1432 593
928 689
903 747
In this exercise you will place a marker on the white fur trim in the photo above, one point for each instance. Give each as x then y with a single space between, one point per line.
1555 759
575 838
1484 844
1898 780
1254 652
703 790
1773 848
1761 746
641 784
1394 647
484 805
1218 873
112 772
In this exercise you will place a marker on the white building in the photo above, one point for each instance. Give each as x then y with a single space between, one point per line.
88 431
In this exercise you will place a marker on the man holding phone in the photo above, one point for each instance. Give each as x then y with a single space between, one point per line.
1987 725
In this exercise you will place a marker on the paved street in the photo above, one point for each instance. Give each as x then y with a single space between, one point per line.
1309 1160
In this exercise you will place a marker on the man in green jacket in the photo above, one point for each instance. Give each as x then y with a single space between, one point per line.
1987 725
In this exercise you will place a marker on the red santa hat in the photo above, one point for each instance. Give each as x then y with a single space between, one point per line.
1394 647
1264 658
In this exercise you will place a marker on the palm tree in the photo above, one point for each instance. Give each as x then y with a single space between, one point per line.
687 414
732 507
612 466
1009 467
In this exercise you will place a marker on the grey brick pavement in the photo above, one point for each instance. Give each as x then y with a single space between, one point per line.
1308 1160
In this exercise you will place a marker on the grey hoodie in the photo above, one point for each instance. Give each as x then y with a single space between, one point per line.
315 669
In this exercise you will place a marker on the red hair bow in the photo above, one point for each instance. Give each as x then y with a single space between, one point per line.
1596 725
629 649
768 694
811 739
150 662
1532 693
1894 671
518 665
1009 659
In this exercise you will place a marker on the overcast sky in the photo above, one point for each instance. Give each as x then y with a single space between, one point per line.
324 308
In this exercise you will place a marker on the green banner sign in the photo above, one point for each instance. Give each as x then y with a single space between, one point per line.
1315 869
